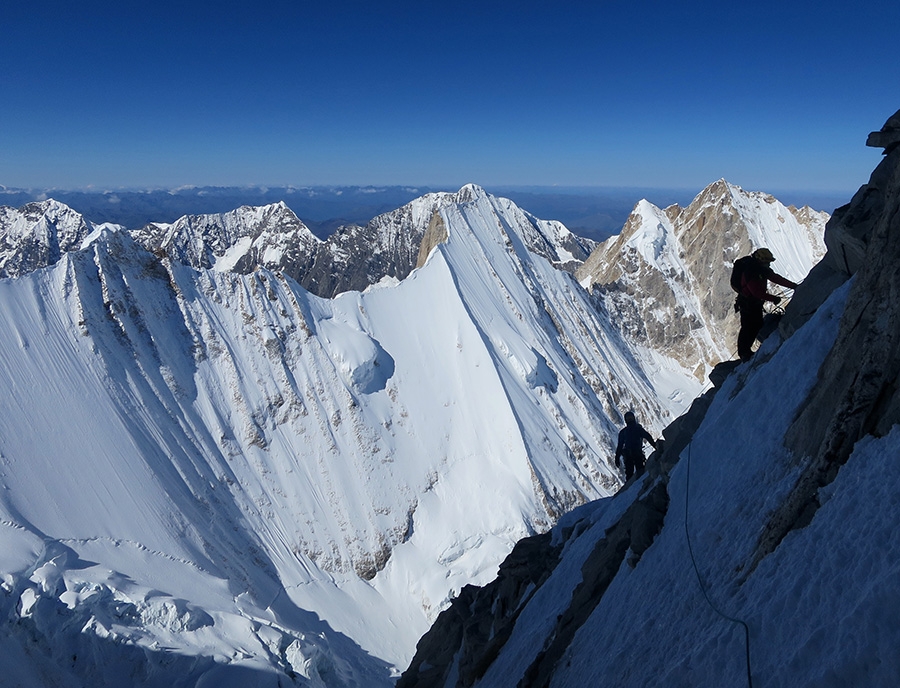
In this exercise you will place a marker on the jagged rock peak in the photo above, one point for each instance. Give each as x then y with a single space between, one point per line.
726 193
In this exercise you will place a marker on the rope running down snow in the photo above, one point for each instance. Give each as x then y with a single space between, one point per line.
700 580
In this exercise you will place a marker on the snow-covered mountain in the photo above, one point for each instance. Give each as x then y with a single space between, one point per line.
209 473
664 278
759 549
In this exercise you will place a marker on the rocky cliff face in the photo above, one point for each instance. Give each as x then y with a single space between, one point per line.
528 629
355 257
666 274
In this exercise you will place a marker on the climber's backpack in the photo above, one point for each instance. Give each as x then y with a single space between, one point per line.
737 272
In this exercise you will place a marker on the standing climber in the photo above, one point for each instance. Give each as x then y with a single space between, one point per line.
749 279
631 445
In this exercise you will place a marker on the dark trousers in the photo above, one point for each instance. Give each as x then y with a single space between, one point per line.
634 463
751 312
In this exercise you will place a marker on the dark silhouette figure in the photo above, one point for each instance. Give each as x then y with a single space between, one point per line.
750 279
631 445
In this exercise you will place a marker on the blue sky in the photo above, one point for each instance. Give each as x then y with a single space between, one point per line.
769 95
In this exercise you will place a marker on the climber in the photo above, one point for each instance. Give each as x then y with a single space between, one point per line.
631 445
749 278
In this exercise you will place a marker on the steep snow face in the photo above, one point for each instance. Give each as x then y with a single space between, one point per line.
733 473
549 239
818 614
665 277
188 454
354 257
37 235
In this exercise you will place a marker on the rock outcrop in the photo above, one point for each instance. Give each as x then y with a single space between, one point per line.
888 137
434 235
355 257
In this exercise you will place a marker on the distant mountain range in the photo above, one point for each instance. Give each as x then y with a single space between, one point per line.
592 212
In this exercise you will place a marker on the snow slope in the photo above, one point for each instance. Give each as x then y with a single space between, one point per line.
209 476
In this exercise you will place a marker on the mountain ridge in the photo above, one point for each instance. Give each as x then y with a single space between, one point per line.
291 436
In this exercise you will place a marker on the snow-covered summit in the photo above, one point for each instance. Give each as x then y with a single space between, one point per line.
355 257
770 223
240 240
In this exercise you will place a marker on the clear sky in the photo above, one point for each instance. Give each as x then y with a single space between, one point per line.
768 95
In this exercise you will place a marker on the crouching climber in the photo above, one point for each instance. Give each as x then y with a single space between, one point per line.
631 445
